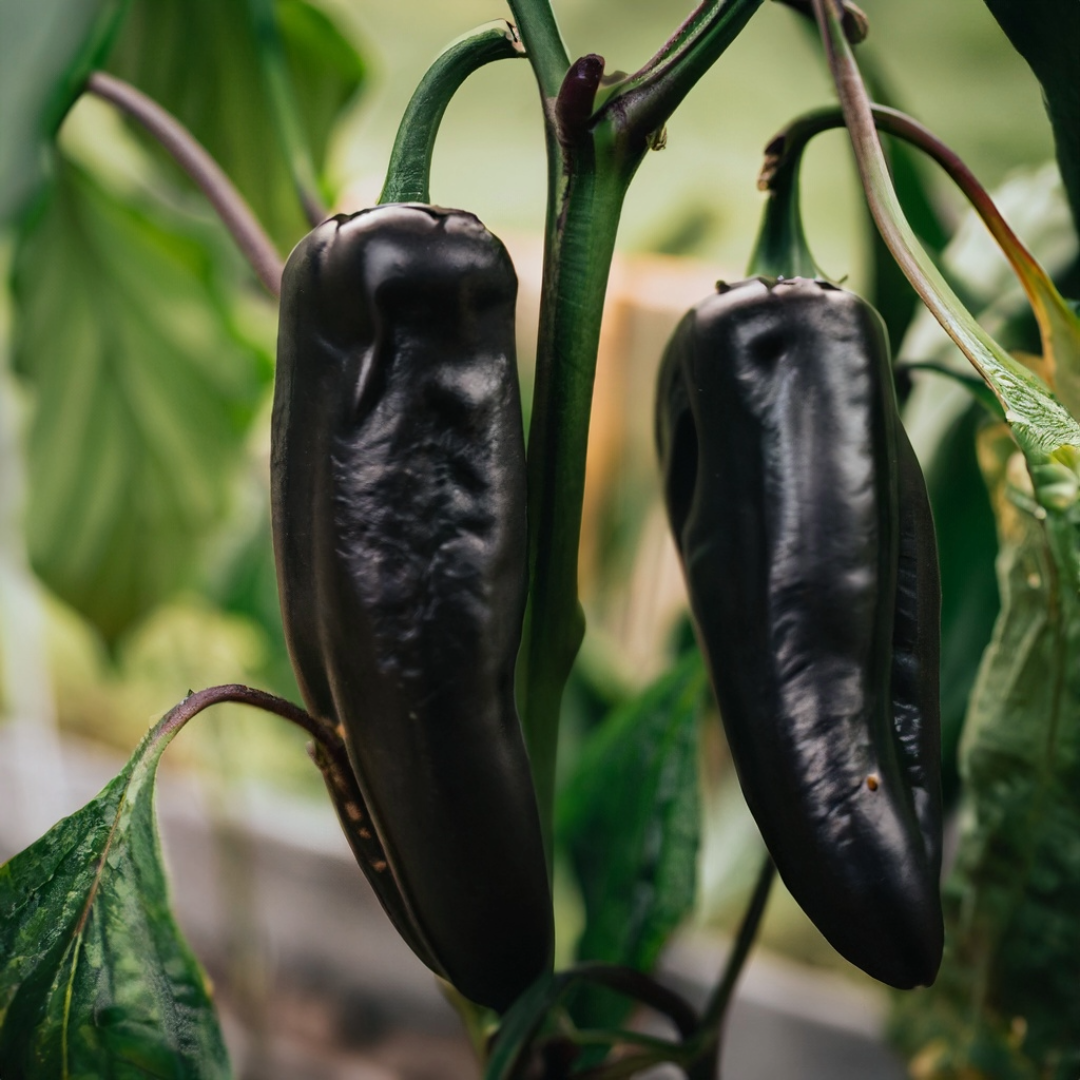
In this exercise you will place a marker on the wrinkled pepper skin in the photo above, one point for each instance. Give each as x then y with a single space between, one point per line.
398 497
802 521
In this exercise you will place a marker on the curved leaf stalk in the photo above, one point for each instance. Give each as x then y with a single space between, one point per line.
408 175
1059 326
193 158
1039 421
284 109
165 730
856 24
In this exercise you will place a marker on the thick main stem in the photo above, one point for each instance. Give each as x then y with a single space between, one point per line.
194 159
576 267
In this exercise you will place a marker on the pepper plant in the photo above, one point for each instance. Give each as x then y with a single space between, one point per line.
81 903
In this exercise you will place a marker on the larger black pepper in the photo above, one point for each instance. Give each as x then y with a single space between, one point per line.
398 486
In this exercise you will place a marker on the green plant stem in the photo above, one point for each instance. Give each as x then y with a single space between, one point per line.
284 109
321 731
706 1055
207 174
408 175
1039 421
543 42
1059 326
781 249
576 267
591 162
856 24
647 98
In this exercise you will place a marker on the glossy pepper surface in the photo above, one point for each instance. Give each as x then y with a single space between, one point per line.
398 494
801 518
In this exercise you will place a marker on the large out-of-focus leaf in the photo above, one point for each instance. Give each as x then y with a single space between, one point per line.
1046 33
47 48
890 292
143 391
95 978
630 819
201 60
967 550
327 71
1007 1001
244 582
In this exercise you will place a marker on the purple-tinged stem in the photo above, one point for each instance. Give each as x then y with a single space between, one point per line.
194 159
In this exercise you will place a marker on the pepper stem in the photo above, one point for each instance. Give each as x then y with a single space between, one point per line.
781 249
1059 326
194 159
408 176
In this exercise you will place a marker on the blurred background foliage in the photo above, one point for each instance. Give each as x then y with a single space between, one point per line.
137 351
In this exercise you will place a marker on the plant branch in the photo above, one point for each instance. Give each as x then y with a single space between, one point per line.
408 175
193 158
707 1044
644 101
1059 326
1039 421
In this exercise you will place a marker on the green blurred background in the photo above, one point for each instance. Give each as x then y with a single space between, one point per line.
211 614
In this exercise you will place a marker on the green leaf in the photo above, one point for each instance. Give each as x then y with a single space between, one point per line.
144 392
326 69
1046 33
96 980
1008 997
521 1024
630 819
202 60
967 551
47 48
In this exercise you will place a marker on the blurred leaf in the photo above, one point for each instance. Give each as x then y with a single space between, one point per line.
967 550
1008 997
630 819
326 68
245 583
47 48
1046 33
95 977
144 392
201 60
891 293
